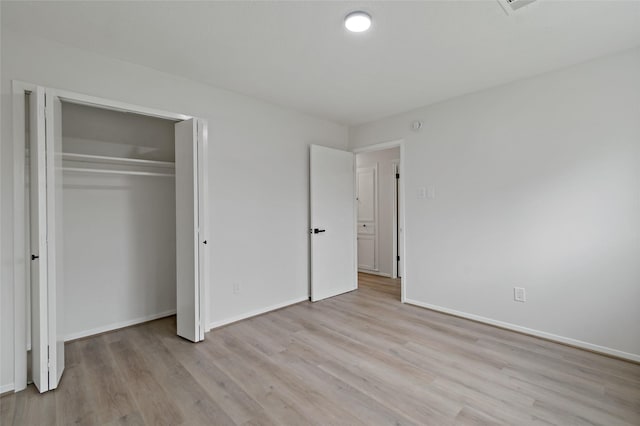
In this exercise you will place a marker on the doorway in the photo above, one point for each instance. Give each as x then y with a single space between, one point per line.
379 218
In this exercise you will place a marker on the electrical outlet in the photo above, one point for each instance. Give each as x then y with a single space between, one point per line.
236 287
519 295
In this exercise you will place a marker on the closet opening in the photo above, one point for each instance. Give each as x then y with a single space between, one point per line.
114 223
119 219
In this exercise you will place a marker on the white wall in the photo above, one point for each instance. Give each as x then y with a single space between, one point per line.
258 171
119 251
97 131
537 184
386 186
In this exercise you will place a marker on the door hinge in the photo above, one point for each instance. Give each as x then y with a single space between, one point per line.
397 175
48 358
398 258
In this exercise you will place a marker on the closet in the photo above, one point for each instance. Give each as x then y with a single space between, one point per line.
118 218
117 209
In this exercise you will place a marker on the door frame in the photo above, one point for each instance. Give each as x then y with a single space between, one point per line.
381 147
21 274
396 213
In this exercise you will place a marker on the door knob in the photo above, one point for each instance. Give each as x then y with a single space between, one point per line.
317 231
34 257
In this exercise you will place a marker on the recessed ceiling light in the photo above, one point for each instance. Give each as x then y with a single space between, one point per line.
357 22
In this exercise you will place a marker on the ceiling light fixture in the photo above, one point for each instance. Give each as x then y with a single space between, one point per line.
357 22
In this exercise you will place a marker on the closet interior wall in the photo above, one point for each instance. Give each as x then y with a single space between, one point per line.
119 219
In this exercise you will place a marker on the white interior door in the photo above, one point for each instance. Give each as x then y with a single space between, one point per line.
38 232
47 343
191 262
333 222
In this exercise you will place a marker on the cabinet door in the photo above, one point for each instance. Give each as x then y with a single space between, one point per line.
366 194
366 252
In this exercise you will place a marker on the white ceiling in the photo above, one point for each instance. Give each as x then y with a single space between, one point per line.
298 54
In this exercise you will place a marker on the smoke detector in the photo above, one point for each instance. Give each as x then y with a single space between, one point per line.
511 6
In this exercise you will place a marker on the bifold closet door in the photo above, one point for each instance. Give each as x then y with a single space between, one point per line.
190 141
47 343
38 194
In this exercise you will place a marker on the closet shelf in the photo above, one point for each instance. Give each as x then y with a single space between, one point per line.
86 158
116 172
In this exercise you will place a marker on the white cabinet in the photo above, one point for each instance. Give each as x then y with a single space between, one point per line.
367 193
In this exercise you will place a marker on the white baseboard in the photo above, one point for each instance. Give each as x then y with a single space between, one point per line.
6 388
261 311
537 333
117 325
369 271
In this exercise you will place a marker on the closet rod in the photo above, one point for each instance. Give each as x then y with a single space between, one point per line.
117 160
116 172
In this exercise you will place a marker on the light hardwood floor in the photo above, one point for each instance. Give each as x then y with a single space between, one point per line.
361 358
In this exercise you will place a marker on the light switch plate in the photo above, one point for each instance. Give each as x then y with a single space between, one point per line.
431 192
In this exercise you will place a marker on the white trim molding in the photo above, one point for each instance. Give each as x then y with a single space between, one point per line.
98 102
118 325
530 331
6 388
371 272
396 220
379 146
257 312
